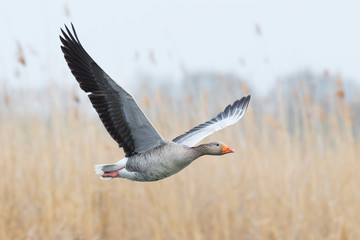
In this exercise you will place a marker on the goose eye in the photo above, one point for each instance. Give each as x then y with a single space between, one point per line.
217 144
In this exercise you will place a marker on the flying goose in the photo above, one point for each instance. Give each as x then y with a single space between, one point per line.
148 156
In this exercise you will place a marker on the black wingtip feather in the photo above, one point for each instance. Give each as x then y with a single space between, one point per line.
73 28
92 79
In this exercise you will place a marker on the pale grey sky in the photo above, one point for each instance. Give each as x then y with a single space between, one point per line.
201 35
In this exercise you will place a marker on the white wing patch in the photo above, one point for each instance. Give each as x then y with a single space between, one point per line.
231 115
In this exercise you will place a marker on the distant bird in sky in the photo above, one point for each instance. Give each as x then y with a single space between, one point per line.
148 156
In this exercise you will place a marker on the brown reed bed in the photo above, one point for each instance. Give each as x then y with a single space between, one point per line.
299 182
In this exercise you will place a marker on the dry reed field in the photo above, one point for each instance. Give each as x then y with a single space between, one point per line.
293 176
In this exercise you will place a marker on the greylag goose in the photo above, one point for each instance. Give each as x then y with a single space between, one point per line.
148 156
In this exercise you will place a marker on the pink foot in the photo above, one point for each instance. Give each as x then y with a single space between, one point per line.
111 174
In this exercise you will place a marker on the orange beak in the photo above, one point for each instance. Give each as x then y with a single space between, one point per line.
226 149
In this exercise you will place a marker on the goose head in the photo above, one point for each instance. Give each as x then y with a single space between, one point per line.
214 148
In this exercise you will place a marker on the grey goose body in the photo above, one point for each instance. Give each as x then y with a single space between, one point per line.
148 156
161 162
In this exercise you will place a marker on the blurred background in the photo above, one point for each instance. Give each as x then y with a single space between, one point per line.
295 171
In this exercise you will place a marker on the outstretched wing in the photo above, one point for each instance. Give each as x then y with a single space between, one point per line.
231 115
117 109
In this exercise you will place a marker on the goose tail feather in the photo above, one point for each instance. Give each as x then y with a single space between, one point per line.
103 168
